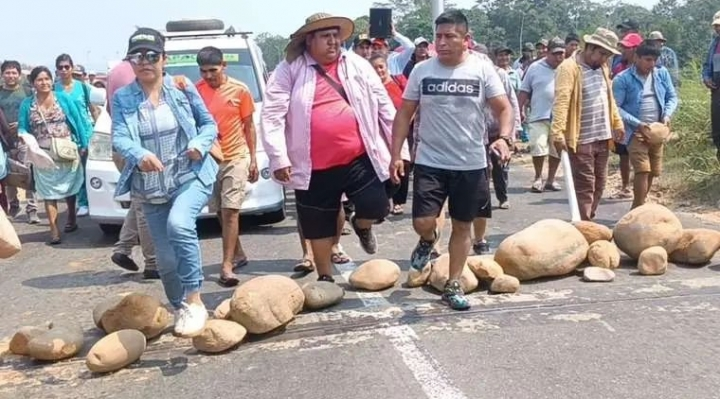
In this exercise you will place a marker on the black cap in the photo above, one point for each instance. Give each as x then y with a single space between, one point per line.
572 37
629 24
528 47
503 49
146 39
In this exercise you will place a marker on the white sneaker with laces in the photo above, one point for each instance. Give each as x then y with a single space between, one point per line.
190 319
83 211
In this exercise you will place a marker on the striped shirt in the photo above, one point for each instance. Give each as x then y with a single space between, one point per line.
649 107
595 117
161 135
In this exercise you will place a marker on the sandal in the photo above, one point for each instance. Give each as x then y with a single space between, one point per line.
55 241
305 266
537 186
240 263
398 210
340 258
69 228
228 282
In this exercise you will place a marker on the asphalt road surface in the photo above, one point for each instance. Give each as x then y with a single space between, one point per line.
637 337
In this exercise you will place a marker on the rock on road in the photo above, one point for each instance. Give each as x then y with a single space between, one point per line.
637 337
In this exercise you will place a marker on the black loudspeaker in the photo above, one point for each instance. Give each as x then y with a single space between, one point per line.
381 22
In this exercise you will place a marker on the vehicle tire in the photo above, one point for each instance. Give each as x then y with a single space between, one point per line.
194 25
271 217
110 229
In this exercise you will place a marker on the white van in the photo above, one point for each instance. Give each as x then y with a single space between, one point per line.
184 38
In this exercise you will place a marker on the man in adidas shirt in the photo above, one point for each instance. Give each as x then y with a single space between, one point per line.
452 89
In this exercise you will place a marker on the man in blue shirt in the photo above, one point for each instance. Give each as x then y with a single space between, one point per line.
645 95
711 79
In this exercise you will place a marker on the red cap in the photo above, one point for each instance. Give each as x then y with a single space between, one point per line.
631 40
380 41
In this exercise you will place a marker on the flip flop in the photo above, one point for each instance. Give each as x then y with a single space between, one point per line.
398 210
69 228
228 282
241 263
305 266
346 231
340 258
55 241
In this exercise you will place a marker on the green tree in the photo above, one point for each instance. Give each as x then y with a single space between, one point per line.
273 48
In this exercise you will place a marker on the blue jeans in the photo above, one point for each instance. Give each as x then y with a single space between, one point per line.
174 233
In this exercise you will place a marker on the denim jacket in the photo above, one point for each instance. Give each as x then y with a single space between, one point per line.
193 117
628 90
707 70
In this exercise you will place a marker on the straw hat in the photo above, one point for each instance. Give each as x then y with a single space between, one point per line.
316 22
604 38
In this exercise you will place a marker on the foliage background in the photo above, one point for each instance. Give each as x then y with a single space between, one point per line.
686 24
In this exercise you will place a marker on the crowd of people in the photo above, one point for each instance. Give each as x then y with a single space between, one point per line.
346 130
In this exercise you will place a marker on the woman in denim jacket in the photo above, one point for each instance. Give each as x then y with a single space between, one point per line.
164 135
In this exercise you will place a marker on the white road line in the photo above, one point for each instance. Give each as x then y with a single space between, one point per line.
427 371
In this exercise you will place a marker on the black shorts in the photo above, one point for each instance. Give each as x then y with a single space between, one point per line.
318 206
467 193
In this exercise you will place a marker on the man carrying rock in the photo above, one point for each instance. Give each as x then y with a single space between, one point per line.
452 90
645 95
585 117
327 122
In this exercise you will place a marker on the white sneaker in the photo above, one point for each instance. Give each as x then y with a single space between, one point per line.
83 211
190 319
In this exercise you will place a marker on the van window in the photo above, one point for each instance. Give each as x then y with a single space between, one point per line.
239 66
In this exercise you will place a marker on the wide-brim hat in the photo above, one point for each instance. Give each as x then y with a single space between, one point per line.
316 22
604 38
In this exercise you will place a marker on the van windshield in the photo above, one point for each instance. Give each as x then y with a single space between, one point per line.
239 66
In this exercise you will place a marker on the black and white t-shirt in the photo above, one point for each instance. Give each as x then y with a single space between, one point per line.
451 131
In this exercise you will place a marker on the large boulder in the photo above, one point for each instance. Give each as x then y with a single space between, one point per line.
604 254
139 312
19 341
647 226
115 351
104 305
593 231
266 303
322 294
547 248
441 273
219 336
418 278
60 342
653 261
484 267
375 275
696 246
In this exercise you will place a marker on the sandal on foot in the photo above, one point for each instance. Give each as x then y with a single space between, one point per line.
55 241
228 281
240 263
340 258
398 210
69 228
305 266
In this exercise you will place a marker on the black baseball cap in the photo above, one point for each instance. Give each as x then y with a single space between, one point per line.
146 39
629 24
503 49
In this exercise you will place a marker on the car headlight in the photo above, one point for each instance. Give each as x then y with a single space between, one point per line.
265 173
100 147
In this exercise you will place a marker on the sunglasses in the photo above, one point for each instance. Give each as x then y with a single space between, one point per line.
150 57
64 67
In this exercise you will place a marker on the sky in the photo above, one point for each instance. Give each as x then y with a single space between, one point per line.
93 41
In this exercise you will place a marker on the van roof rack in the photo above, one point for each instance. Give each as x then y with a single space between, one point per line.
230 32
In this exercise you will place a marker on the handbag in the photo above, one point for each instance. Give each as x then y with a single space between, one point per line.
19 176
61 149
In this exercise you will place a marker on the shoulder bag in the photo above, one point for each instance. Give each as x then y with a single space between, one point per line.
61 149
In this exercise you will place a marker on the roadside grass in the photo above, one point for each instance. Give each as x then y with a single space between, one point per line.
692 171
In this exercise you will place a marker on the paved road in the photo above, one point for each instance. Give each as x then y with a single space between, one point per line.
638 337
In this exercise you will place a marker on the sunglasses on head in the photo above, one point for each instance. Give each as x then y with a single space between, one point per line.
150 56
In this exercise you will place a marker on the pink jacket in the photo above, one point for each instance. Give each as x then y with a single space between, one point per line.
285 117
